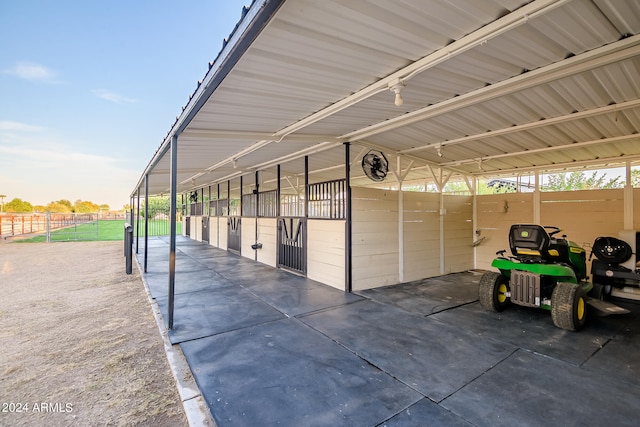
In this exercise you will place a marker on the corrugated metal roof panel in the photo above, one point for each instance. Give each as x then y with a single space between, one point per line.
316 69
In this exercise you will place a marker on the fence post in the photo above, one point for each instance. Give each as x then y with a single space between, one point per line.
128 242
48 227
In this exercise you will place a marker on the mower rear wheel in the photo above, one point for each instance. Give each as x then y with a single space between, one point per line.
492 291
569 306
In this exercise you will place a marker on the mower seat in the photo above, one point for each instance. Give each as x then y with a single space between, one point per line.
529 242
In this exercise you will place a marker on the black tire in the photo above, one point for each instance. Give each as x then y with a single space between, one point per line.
492 291
569 306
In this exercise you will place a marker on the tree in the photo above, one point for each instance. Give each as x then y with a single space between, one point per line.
578 180
19 206
635 177
85 207
157 205
104 207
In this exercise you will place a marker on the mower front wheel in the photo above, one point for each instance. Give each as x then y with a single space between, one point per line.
492 291
569 306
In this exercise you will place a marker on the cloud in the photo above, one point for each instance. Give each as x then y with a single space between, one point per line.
113 97
32 72
7 125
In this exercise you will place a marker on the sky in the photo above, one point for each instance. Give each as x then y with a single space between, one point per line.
89 89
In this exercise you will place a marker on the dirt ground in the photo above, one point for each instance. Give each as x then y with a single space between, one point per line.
78 341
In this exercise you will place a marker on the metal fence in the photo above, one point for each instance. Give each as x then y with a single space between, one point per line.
68 226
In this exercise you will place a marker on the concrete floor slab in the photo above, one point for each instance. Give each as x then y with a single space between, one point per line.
209 312
433 357
429 296
284 373
529 389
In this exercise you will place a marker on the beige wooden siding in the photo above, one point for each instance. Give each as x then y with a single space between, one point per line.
267 235
325 252
374 238
222 230
584 215
458 233
496 214
196 223
213 231
421 235
247 237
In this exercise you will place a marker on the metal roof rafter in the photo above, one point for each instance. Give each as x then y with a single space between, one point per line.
599 57
528 126
547 149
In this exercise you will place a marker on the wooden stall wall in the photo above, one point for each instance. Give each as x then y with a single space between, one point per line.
584 215
196 228
421 224
326 252
458 234
496 214
247 237
222 232
267 235
374 238
213 231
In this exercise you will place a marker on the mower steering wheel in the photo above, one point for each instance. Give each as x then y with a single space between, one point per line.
555 230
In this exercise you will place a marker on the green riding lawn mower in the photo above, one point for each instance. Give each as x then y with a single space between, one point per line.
547 272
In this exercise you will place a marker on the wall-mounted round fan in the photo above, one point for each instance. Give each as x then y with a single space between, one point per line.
375 165
193 196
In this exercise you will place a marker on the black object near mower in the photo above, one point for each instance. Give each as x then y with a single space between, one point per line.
616 269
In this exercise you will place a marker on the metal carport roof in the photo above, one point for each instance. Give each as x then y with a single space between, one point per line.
488 87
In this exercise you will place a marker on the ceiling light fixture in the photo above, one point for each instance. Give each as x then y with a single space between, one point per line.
396 87
439 150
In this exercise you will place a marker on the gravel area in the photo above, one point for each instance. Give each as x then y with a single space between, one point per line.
79 343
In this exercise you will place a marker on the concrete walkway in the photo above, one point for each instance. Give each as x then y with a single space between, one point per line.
268 347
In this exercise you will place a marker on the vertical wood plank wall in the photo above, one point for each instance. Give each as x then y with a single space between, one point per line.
496 214
375 242
326 252
222 232
267 235
421 235
196 228
458 233
247 237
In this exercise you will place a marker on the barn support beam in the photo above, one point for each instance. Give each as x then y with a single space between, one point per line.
138 222
172 232
146 220
536 199
348 279
628 199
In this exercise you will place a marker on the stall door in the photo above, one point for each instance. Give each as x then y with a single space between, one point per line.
233 234
205 229
292 240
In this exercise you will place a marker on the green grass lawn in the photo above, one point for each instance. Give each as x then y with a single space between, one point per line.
102 230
